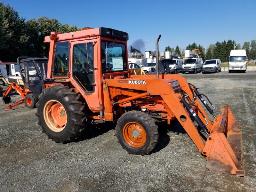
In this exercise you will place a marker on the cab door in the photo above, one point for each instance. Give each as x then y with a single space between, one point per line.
83 71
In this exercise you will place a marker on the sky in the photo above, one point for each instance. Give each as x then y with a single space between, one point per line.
180 22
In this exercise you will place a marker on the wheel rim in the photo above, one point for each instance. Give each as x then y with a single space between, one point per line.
55 115
29 101
134 134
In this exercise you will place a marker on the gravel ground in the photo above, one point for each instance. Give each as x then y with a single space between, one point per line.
31 162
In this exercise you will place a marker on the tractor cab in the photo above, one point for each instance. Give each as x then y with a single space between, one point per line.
33 73
84 58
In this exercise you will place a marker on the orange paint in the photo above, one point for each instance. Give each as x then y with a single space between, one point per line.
134 134
116 92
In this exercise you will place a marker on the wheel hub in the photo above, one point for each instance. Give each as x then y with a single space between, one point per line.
29 101
134 134
55 115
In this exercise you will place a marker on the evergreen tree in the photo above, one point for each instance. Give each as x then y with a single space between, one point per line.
247 46
19 37
192 46
238 46
13 37
38 29
210 52
252 54
168 48
177 51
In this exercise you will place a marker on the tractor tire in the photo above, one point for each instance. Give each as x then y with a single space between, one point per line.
30 101
137 132
61 114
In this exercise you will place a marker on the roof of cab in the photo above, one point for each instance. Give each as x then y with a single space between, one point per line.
86 32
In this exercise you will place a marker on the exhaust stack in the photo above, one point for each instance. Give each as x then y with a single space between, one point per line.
157 55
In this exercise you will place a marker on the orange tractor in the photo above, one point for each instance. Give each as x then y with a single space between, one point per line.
88 81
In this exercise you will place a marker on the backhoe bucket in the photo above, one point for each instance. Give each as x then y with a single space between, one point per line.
223 146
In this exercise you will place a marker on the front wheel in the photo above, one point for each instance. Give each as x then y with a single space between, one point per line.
61 115
137 132
30 101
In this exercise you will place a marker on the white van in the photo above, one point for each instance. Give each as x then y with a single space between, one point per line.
175 64
193 65
237 60
149 67
211 66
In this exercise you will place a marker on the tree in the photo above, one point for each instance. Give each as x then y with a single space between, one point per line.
201 51
198 49
177 51
192 46
238 46
13 37
247 46
38 29
168 48
252 54
209 52
222 50
19 37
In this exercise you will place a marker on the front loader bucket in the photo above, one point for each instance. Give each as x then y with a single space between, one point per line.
223 146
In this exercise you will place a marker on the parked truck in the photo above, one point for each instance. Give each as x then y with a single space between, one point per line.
237 61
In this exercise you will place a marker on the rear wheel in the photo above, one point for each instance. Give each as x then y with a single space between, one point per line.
30 101
61 114
137 132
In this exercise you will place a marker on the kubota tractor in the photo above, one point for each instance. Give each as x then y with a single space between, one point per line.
88 82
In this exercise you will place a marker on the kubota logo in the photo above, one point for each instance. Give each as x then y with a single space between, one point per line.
137 82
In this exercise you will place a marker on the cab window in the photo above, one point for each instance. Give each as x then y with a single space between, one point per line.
61 59
113 57
83 65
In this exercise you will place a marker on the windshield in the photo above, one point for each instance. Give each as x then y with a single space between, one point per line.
17 68
113 56
189 61
237 58
150 64
169 61
210 62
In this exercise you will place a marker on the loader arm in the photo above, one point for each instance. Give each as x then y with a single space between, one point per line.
216 138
